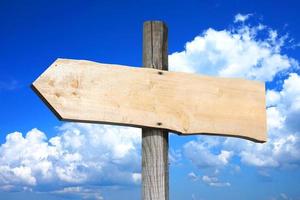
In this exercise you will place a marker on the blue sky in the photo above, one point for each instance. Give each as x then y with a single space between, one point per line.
43 158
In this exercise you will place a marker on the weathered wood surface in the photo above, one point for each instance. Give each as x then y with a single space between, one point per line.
155 142
79 90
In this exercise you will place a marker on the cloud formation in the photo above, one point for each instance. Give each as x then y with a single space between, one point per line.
283 147
237 52
95 155
251 52
212 181
203 154
83 192
241 18
81 154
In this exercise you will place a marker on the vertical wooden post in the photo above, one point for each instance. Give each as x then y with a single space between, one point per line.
155 165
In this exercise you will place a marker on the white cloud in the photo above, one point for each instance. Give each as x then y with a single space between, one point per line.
201 154
272 98
283 146
137 178
81 154
85 154
290 104
263 160
241 18
209 180
275 118
83 192
214 181
251 52
174 156
234 53
193 176
285 110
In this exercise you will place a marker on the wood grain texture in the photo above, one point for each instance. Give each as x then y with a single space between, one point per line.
85 91
155 165
155 142
78 90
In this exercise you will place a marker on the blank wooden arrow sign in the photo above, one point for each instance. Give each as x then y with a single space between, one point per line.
84 91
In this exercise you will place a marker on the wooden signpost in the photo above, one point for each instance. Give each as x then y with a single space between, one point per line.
156 100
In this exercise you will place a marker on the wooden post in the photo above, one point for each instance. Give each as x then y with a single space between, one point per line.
72 89
155 165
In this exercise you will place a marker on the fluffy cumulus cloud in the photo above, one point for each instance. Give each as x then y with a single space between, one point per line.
83 157
283 111
81 154
203 153
237 52
252 52
283 146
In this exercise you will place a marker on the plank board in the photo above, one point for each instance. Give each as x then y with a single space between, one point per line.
85 91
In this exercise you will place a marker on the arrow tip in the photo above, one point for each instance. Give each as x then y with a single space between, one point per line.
35 89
